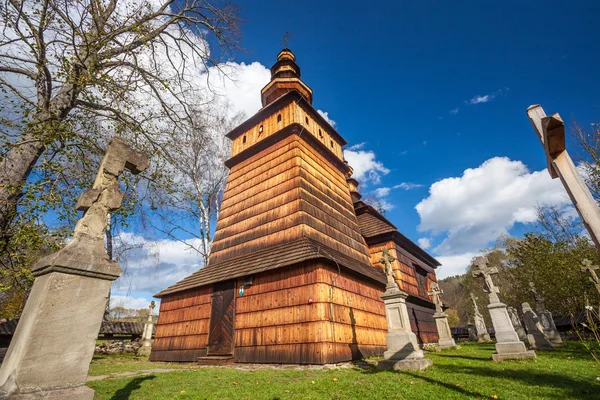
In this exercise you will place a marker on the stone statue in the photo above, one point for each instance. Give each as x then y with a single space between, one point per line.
535 332
445 339
516 321
482 333
64 311
545 317
508 345
387 259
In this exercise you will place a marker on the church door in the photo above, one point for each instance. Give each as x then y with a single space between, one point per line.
220 336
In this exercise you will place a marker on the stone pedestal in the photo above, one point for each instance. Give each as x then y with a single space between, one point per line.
445 335
508 345
482 334
53 345
402 347
146 347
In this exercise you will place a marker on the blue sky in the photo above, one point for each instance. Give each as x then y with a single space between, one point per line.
430 90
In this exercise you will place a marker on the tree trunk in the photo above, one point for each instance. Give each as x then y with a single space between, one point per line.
14 171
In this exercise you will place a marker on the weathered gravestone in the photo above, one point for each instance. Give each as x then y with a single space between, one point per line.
53 345
441 319
482 334
146 346
508 345
516 321
545 317
535 332
587 266
402 347
471 328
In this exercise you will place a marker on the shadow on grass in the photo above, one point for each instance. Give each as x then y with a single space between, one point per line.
133 385
482 358
571 387
450 386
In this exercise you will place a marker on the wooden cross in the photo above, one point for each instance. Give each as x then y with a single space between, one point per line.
551 132
486 272
105 196
286 39
435 291
387 259
587 266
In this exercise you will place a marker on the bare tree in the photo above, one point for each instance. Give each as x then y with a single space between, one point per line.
103 65
191 206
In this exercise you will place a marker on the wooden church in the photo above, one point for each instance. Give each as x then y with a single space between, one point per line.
294 274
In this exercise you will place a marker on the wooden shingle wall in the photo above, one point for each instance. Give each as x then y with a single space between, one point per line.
182 326
292 315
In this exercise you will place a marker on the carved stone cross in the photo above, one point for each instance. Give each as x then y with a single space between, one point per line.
387 259
474 300
481 263
435 291
539 299
85 253
551 132
587 266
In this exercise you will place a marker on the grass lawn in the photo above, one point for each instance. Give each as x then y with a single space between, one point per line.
105 364
565 373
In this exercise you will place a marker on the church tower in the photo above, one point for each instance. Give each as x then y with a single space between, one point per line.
290 278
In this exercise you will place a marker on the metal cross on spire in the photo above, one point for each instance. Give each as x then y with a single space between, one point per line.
286 39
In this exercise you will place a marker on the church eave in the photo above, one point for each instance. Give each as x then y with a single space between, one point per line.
278 104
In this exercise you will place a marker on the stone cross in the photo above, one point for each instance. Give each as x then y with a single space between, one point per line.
551 132
486 272
50 353
435 291
539 299
587 266
387 259
475 307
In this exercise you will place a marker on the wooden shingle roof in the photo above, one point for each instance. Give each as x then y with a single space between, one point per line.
279 256
370 225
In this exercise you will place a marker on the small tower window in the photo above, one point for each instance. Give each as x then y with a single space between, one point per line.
320 134
279 118
260 130
306 119
244 139
331 143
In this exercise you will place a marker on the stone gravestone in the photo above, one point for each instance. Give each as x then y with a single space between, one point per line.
482 334
402 347
441 319
535 332
471 328
508 345
545 317
146 346
516 321
53 345
587 266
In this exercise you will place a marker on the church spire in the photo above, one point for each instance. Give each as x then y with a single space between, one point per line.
285 77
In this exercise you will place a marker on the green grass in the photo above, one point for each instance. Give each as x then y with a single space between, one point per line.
565 373
104 364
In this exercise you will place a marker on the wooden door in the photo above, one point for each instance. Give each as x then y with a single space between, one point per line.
220 335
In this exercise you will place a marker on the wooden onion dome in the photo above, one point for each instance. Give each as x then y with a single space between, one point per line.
285 77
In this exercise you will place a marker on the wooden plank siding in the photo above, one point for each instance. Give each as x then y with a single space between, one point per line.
182 326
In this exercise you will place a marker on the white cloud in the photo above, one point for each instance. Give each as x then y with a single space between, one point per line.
485 202
325 115
366 168
424 243
382 191
485 98
454 111
357 146
454 265
407 186
135 303
153 265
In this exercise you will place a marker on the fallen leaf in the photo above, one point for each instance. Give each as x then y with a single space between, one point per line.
335 379
412 383
313 382
183 391
494 396
234 383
